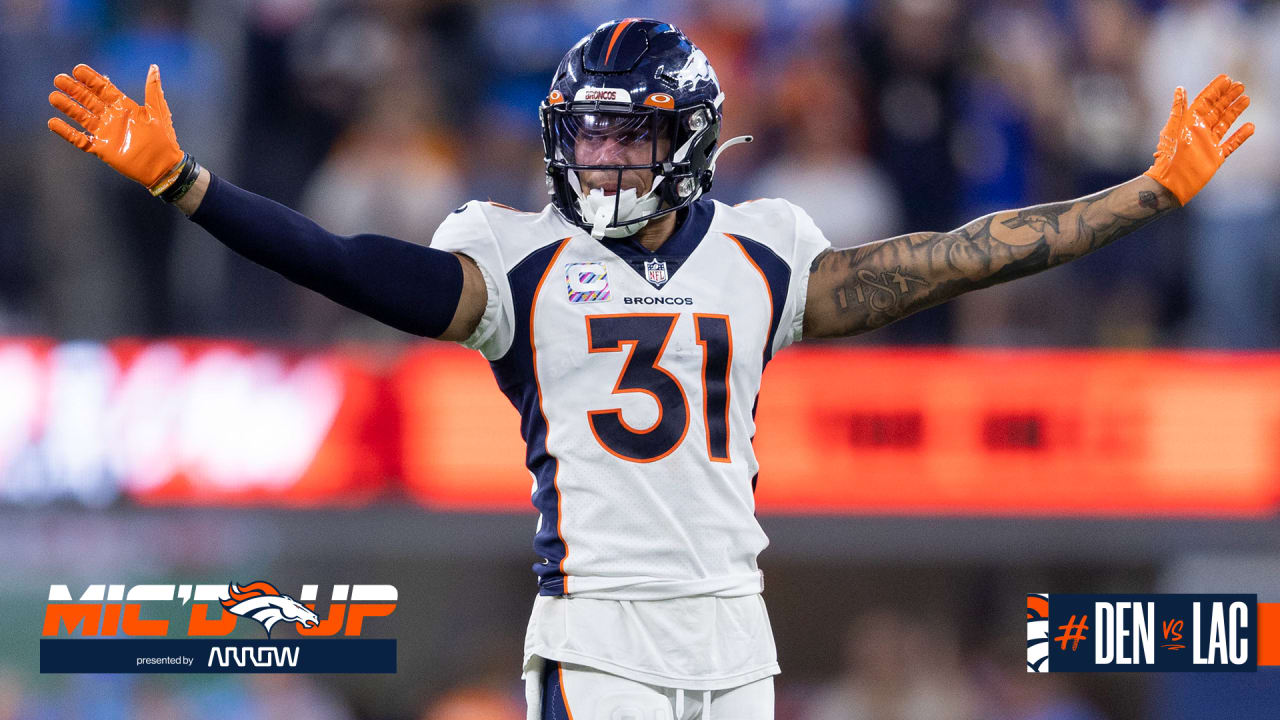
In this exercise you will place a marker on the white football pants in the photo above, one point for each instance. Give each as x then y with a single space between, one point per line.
564 691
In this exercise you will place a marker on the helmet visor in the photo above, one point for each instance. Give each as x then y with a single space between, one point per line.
595 139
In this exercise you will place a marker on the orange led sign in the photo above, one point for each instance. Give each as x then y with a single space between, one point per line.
844 430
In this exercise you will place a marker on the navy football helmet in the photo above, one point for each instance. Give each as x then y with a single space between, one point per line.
634 102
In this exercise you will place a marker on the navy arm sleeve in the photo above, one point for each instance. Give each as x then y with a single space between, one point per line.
407 286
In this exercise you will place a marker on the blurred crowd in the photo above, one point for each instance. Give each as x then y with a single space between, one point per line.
895 665
877 116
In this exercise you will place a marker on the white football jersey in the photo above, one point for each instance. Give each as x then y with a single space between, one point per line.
636 376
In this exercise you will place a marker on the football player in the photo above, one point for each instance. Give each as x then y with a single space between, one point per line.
629 322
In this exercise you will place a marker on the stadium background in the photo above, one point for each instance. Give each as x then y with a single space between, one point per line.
879 118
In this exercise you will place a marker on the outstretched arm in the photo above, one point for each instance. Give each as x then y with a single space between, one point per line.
869 286
402 284
414 288
862 288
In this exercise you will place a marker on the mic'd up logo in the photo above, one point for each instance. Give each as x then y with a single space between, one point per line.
261 601
189 628
210 610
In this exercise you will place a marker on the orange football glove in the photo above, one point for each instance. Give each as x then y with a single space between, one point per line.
137 141
1189 152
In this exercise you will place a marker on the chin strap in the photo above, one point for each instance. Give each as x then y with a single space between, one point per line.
741 139
600 223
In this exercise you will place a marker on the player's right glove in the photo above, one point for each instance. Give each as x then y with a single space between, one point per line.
1189 152
137 141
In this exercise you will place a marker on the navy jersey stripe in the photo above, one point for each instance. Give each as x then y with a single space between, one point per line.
777 276
555 706
517 377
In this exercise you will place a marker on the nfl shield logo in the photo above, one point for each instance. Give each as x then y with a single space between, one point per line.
655 271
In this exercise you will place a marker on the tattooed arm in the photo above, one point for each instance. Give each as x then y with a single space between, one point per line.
862 288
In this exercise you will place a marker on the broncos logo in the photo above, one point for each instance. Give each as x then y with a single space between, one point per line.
1037 632
261 601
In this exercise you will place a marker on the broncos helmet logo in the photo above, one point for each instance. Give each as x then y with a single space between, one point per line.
262 602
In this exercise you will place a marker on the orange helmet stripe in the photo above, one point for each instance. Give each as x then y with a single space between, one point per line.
616 32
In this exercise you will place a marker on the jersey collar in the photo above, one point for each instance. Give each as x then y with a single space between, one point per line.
674 251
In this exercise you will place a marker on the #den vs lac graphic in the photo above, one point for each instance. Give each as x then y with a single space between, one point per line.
1111 633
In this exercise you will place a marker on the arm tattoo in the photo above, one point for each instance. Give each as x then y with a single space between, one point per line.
872 285
1038 217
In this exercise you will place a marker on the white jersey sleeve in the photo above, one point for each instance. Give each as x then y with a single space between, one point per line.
809 242
467 231
786 241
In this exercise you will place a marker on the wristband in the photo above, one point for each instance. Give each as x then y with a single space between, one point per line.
177 181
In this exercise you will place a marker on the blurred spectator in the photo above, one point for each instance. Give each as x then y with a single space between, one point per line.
822 165
898 666
733 36
912 69
1010 693
913 66
1107 143
392 173
293 696
1102 110
11 695
475 703
173 697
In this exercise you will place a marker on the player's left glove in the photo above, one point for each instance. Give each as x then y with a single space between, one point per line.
1191 150
137 141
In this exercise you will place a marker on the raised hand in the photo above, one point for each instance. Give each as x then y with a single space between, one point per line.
1191 149
137 141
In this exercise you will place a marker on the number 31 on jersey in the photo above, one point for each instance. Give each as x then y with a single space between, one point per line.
646 336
